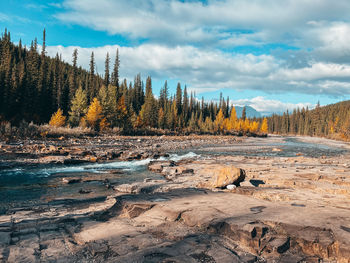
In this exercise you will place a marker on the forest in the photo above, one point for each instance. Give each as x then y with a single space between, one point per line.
37 88
331 121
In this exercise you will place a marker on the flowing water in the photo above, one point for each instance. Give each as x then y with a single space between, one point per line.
21 188
279 147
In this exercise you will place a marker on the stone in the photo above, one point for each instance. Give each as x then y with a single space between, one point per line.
134 210
71 180
227 175
231 187
127 188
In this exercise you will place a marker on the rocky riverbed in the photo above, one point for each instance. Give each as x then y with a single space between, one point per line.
175 199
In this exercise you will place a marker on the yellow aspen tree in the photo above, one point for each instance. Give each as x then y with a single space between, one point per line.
264 126
227 124
94 114
246 125
208 125
219 121
58 119
233 119
239 125
254 126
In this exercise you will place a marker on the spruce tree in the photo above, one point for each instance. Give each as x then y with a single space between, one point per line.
92 88
115 73
74 74
149 109
179 98
106 80
244 114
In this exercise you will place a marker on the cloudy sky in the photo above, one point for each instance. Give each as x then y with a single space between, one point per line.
270 54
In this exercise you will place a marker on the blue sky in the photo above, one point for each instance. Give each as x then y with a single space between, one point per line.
272 55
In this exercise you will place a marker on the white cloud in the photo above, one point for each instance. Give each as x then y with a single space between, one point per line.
173 21
212 70
315 71
266 106
195 66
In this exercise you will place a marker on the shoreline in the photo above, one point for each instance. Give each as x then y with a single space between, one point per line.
287 208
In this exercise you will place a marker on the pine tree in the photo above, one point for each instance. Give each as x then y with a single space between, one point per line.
44 97
106 81
185 110
92 87
115 73
149 109
163 96
179 98
244 114
74 74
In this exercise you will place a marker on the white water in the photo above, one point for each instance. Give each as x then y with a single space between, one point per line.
97 167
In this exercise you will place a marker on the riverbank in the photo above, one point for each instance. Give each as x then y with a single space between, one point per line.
291 207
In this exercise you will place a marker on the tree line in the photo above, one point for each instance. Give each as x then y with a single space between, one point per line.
327 121
35 87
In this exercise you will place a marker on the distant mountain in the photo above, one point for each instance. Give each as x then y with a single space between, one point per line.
250 111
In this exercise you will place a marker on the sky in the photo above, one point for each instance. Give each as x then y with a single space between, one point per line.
272 55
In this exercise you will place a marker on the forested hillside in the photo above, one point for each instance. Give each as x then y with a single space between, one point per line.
330 121
37 88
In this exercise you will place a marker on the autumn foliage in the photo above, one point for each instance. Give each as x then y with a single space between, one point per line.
94 115
58 119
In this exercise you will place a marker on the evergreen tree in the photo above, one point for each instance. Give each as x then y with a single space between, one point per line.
185 110
244 114
149 109
74 74
106 81
115 73
179 98
91 87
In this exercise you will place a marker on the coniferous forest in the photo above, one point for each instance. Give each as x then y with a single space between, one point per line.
328 121
39 89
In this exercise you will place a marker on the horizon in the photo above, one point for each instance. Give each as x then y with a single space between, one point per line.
252 52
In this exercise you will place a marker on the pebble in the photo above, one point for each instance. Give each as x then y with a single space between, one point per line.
231 187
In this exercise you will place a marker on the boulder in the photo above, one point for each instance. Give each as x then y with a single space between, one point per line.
227 175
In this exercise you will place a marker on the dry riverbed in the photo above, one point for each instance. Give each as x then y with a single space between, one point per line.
287 201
